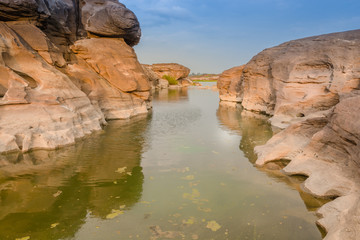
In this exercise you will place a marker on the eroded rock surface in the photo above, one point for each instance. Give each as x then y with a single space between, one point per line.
302 77
318 95
171 69
229 84
57 86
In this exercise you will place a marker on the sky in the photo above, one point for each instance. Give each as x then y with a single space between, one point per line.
210 36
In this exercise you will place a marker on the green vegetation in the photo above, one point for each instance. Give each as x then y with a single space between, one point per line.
170 79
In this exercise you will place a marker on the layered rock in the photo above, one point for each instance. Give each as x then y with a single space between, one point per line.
312 85
55 85
229 84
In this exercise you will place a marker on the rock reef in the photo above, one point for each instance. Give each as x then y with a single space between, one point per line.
311 87
65 68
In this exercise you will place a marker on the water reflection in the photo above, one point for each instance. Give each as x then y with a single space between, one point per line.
171 95
48 194
256 130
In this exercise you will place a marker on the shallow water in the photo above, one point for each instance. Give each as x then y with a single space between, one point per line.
183 172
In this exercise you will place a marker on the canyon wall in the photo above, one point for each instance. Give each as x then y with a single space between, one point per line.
311 88
65 68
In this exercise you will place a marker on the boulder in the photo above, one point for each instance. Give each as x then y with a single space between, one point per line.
229 84
185 82
11 10
174 70
109 18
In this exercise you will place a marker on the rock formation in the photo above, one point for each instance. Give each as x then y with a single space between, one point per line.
205 77
173 70
312 87
61 75
229 84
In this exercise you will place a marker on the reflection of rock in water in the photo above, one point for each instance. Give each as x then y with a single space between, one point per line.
46 187
171 95
255 130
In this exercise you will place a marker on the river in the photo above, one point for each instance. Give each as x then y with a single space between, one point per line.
184 171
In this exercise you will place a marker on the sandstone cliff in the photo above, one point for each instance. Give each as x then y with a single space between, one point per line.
66 67
312 87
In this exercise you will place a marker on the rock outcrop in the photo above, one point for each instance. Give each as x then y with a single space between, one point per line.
175 71
229 84
56 84
205 77
171 69
312 87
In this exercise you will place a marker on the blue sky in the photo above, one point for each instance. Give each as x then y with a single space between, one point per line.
209 36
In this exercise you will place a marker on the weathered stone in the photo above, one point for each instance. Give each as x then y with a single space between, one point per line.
324 143
39 42
185 82
229 84
302 77
110 18
70 94
171 69
11 10
153 77
115 61
63 113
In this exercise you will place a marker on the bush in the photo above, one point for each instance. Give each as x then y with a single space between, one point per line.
170 79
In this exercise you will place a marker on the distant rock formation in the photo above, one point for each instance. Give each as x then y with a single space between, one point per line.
205 77
61 75
312 87
179 72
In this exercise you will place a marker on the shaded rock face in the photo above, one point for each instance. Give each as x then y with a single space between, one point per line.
171 69
65 21
323 141
110 19
229 84
56 86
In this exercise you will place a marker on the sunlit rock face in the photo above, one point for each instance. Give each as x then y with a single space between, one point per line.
56 85
302 77
229 84
171 69
312 86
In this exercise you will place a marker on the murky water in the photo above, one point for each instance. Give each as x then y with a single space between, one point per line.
183 172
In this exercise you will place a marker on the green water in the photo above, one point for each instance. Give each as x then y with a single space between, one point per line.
181 172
